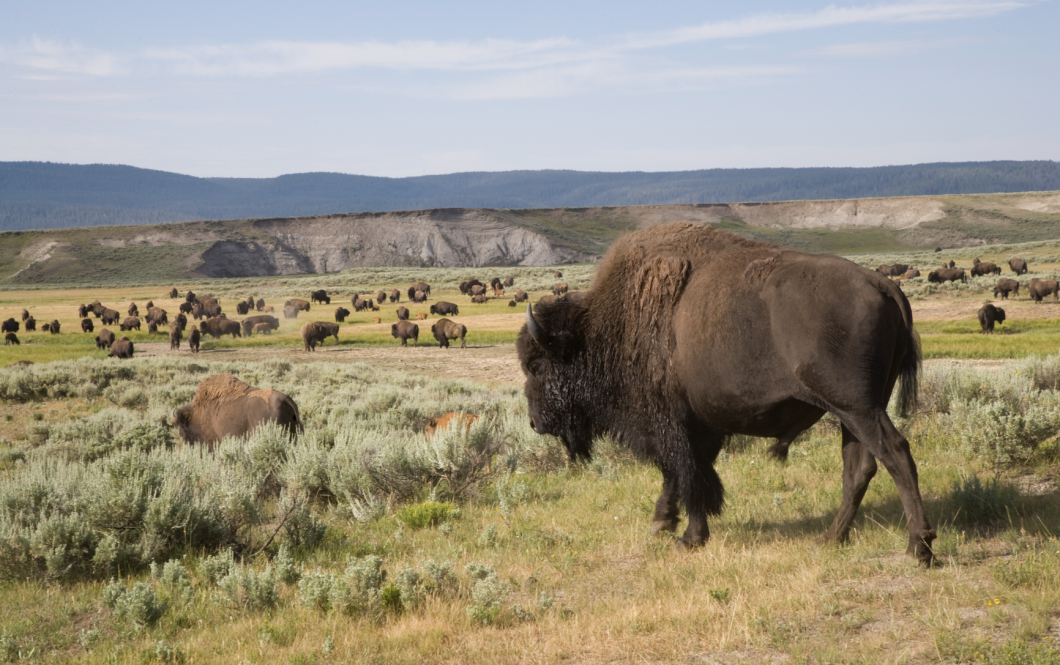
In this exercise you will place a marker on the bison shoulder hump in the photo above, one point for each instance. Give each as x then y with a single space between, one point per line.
220 388
759 269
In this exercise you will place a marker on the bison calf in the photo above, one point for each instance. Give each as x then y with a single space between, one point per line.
406 330
449 421
988 316
445 330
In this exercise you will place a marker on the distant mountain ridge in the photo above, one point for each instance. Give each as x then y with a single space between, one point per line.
44 195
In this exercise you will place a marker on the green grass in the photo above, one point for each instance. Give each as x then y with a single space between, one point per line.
1013 339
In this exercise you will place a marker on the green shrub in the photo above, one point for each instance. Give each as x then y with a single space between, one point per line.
487 596
138 605
286 569
428 513
247 590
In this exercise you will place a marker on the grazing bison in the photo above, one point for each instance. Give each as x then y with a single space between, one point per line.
559 289
406 330
290 312
478 300
110 316
320 296
495 282
445 330
512 303
1039 288
175 335
509 281
690 334
210 309
82 311
380 296
403 313
193 339
449 421
395 295
242 308
31 324
134 310
892 270
260 304
521 296
443 308
262 328
97 308
251 322
341 313
157 316
419 286
121 348
173 293
982 268
1018 266
53 327
11 338
219 326
465 287
946 275
315 332
908 274
476 290
25 315
297 302
988 316
358 303
11 325
131 323
1006 286
419 296
104 339
225 406
87 325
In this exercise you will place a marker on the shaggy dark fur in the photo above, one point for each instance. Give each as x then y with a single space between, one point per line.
988 316
1019 266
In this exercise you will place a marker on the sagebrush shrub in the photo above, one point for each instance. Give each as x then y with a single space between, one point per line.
975 503
247 590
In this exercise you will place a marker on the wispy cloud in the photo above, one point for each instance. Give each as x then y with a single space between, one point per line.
870 49
57 57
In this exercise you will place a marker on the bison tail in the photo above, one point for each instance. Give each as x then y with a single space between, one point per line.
909 373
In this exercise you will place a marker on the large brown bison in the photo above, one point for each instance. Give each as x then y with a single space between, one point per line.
11 338
1006 286
985 268
443 308
157 316
403 313
315 332
297 302
97 308
210 309
242 308
419 286
110 316
131 323
380 296
190 297
225 406
218 326
173 293
358 303
53 327
104 339
520 296
11 325
259 304
406 330
133 310
341 313
1018 266
947 275
320 296
31 324
193 339
175 335
182 321
988 316
150 304
690 334
87 325
121 348
449 421
1040 288
395 295
445 330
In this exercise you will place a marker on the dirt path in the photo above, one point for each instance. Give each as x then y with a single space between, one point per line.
494 364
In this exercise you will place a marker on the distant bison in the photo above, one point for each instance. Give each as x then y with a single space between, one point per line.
260 304
495 282
104 339
46 327
341 313
1006 286
559 289
521 296
25 314
87 325
466 287
1039 288
182 321
158 316
189 297
476 290
131 323
359 304
193 339
122 348
406 330
509 281
197 311
445 330
31 324
298 303
450 420
511 303
478 300
219 326
892 270
395 295
419 296
11 338
419 286
557 274
908 274
320 296
984 268
53 327
947 275
110 316
403 313
444 308
224 406
242 308
82 311
210 309
290 312
380 296
175 335
988 316
133 310
173 293
1019 266
315 332
11 325
186 308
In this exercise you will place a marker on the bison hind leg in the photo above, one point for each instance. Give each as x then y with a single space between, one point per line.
779 450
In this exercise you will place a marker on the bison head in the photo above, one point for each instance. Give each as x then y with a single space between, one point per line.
551 351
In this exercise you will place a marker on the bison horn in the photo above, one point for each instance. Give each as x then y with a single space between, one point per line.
536 330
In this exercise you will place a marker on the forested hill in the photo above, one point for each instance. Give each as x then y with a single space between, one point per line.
40 195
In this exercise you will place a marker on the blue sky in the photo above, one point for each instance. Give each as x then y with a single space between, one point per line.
259 89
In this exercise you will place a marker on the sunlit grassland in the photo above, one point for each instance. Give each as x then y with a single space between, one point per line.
1013 339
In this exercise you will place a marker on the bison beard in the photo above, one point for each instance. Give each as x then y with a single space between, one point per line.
691 334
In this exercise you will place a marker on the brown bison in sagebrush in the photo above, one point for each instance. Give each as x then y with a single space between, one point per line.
521 296
218 326
121 348
947 275
104 339
225 406
1018 266
893 270
988 316
445 330
509 281
559 289
985 268
465 287
315 332
722 335
476 290
380 296
1040 288
193 339
1006 286
449 421
406 330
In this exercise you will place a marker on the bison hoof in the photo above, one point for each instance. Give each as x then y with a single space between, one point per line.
659 526
920 549
685 545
